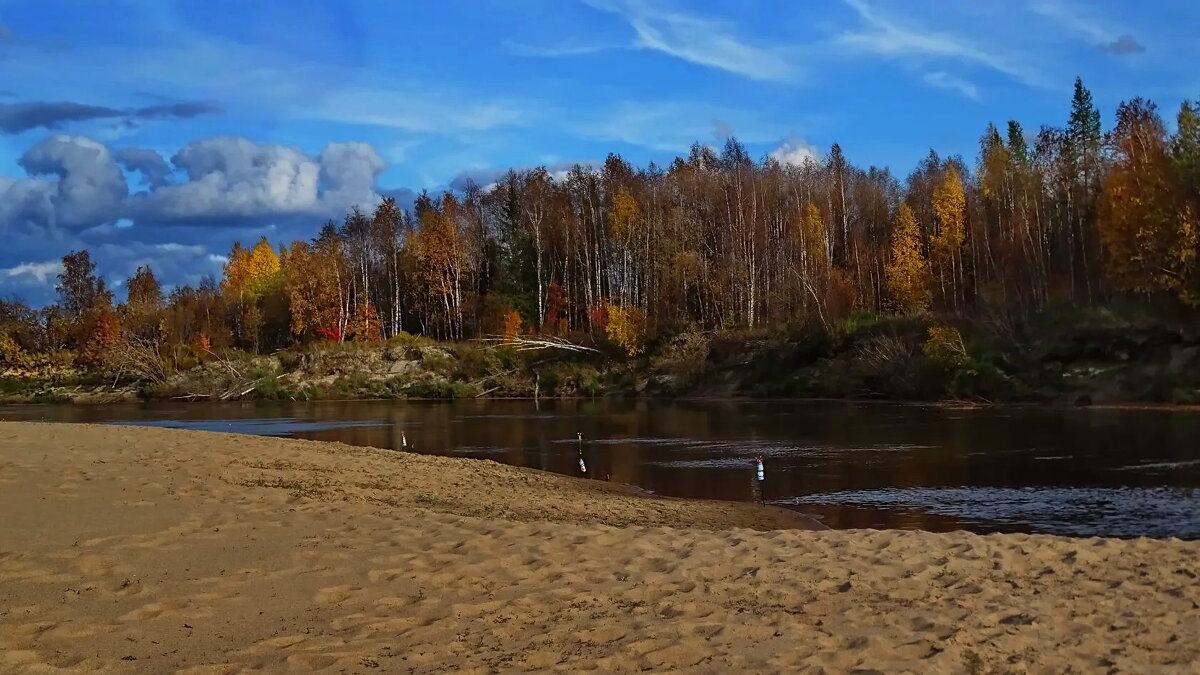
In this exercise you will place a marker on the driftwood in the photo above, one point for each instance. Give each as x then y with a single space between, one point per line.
239 390
528 344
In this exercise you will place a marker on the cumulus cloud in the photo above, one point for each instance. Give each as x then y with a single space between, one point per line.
75 195
145 161
90 187
76 182
794 150
1123 45
230 176
19 117
25 202
349 172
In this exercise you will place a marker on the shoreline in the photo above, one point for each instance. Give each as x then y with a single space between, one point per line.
136 549
939 404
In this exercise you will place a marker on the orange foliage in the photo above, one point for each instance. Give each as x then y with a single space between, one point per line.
365 325
103 339
512 325
555 321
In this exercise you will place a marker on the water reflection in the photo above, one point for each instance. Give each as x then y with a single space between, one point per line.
1133 472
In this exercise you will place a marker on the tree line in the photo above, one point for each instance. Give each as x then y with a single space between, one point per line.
1066 215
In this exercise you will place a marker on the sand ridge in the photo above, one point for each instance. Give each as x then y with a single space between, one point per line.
154 550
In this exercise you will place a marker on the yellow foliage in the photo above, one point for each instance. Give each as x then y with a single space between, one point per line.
625 217
250 273
945 344
809 233
627 328
10 352
311 285
950 209
908 271
1148 234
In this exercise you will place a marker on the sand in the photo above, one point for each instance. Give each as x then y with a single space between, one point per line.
154 550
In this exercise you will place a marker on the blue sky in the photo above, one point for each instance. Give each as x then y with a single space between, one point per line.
156 132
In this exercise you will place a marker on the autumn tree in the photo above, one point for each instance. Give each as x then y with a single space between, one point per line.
103 338
310 283
907 271
625 222
950 211
1150 242
251 276
83 296
79 289
142 312
626 327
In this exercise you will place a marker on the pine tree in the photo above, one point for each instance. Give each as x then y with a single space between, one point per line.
1017 146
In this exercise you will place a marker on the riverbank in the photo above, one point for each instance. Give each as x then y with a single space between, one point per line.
152 550
1073 357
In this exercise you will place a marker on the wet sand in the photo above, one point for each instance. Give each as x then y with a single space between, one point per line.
153 550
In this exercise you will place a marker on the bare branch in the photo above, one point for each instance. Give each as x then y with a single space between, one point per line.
528 344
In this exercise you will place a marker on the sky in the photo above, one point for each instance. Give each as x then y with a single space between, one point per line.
158 132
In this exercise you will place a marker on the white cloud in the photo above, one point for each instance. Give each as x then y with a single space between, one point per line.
944 80
348 174
672 126
886 37
227 177
698 40
90 187
417 111
40 272
1077 20
562 49
795 151
1073 19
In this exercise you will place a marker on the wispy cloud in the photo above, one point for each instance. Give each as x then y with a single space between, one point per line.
417 111
944 80
885 36
697 39
1123 45
562 49
672 126
18 117
1080 22
41 272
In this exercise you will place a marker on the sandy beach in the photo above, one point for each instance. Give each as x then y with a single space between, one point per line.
153 550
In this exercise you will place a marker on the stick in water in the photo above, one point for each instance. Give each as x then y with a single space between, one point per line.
582 464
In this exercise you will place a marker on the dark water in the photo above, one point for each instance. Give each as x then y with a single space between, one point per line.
1065 471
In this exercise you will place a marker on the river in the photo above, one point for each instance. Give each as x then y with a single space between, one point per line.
1085 471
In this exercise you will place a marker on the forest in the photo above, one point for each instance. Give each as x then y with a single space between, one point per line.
627 257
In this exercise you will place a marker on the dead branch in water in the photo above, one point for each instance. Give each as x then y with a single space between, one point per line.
529 344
